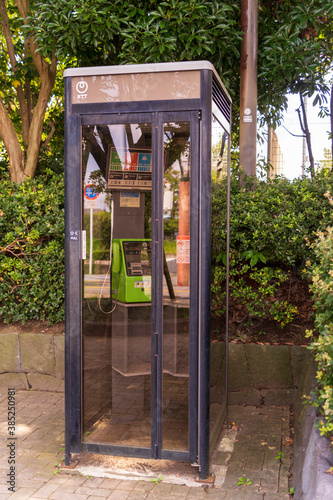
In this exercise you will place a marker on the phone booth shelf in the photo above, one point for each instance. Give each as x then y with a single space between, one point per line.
142 144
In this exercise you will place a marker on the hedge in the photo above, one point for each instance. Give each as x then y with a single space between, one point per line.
322 346
276 219
32 249
272 222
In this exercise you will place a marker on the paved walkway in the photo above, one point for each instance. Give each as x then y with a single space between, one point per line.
252 450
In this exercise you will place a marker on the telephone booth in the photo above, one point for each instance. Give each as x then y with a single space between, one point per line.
142 143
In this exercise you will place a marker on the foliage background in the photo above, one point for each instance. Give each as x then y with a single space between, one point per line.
32 249
295 52
294 40
322 346
271 228
277 218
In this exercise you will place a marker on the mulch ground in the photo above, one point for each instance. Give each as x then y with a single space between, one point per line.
246 329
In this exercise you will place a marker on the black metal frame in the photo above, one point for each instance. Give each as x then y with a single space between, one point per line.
204 270
198 112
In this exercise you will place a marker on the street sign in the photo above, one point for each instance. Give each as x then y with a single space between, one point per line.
90 192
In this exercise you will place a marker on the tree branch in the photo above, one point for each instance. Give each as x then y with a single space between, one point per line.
27 85
12 145
308 137
50 135
12 59
47 73
39 61
300 120
47 79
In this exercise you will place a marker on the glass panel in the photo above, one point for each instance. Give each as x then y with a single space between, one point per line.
176 291
219 150
116 312
218 392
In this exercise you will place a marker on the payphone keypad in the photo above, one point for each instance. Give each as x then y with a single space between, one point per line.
137 257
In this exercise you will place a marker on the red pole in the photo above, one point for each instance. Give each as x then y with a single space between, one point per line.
183 238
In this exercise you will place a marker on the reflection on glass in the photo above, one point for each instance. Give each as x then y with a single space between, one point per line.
219 150
176 292
117 284
218 393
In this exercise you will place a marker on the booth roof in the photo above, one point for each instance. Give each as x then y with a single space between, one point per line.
145 68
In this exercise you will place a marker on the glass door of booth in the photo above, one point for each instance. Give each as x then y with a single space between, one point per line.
140 284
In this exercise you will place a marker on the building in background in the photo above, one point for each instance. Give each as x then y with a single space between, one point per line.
274 155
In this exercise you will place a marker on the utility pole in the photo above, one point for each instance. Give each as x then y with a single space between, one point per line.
248 87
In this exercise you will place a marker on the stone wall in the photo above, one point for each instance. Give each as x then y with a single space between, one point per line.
258 374
265 374
32 360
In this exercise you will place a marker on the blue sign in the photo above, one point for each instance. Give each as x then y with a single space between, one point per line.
144 162
90 192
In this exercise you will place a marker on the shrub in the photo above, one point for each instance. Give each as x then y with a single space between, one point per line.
322 288
254 292
269 225
32 249
276 219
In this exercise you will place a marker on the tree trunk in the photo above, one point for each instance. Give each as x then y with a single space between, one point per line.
23 159
23 109
36 127
306 131
12 145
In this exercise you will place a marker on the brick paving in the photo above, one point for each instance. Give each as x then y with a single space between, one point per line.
252 449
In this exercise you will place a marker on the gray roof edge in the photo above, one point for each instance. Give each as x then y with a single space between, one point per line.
144 68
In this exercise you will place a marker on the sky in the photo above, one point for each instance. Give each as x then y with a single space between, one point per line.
292 146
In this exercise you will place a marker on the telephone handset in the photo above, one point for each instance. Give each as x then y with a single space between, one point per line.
115 257
131 270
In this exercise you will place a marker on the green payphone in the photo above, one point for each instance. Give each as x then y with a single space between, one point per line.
131 270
